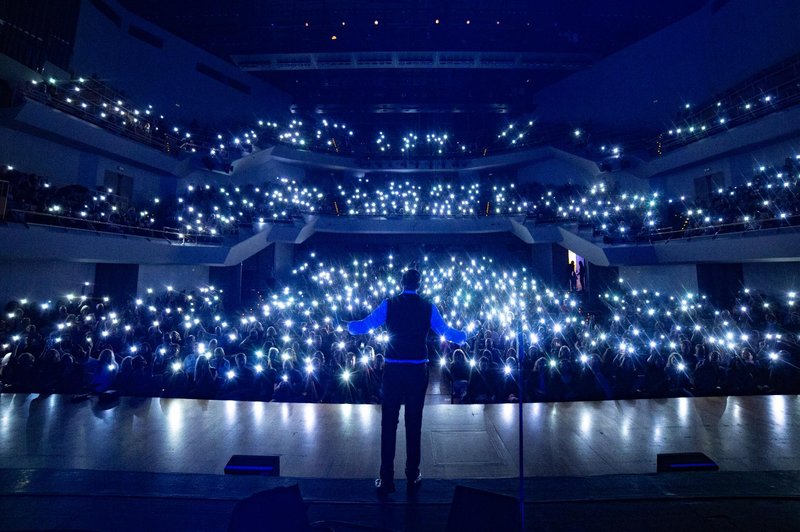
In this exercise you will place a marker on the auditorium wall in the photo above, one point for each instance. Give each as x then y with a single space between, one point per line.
645 85
64 165
556 171
35 155
731 169
775 278
469 175
43 280
677 277
627 180
261 166
180 277
504 248
549 264
562 168
744 166
169 76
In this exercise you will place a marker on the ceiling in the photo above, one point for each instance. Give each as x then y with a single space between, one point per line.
575 33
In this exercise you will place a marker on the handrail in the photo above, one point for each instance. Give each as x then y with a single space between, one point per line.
160 144
671 142
780 228
96 226
400 216
680 234
772 223
783 94
710 231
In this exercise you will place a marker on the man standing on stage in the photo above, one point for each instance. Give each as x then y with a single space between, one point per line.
408 318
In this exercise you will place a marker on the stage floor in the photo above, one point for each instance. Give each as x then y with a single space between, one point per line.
756 433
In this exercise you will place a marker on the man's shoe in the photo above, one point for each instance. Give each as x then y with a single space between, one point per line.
414 484
384 487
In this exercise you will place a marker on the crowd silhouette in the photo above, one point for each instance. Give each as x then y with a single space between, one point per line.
292 344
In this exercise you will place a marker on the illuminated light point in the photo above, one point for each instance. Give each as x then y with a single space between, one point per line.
681 366
435 22
472 362
375 22
333 37
230 374
552 363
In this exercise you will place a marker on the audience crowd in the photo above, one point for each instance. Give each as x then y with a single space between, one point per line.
93 100
767 200
771 90
292 344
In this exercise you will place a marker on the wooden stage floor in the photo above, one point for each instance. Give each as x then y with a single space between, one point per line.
757 433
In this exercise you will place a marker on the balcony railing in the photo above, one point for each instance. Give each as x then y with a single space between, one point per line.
171 235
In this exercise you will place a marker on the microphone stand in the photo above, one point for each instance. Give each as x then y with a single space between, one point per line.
520 392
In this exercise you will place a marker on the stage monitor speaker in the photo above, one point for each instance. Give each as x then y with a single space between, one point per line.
246 464
276 509
478 510
672 462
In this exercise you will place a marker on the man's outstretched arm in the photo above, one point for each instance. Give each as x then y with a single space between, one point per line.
441 328
373 321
